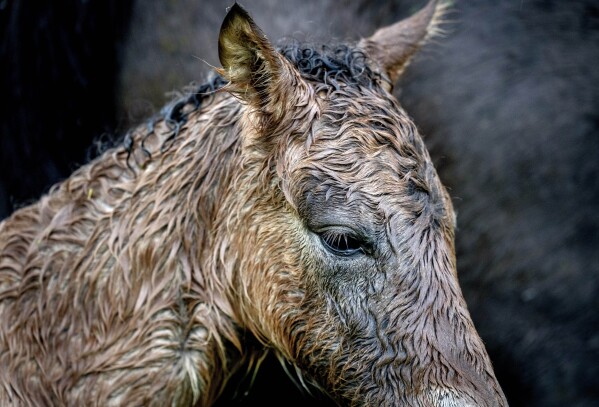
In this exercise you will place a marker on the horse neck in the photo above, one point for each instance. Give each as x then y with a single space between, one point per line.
176 205
131 237
178 186
156 204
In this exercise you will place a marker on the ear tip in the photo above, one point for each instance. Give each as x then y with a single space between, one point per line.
235 18
237 29
234 6
393 46
236 11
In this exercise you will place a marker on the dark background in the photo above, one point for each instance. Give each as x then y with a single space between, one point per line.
507 101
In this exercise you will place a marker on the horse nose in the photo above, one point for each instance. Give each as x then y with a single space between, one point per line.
447 397
439 397
469 387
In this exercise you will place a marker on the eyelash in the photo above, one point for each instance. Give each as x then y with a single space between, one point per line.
341 244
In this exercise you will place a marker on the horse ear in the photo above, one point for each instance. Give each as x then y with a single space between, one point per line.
393 46
250 63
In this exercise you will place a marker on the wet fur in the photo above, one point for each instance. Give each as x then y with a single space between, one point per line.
137 280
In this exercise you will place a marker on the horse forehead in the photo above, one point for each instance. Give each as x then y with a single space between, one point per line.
369 141
375 175
360 101
351 108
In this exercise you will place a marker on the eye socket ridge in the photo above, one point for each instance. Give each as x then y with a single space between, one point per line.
342 242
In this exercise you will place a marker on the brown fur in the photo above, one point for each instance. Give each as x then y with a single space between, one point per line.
137 280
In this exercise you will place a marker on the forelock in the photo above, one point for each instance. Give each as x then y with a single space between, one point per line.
332 65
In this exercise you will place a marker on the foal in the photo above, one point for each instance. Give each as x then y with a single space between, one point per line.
297 207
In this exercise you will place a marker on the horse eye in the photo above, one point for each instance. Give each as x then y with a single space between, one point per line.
341 244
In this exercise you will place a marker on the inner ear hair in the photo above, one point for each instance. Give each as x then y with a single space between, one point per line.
249 61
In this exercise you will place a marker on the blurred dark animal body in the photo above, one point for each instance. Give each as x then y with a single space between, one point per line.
55 64
289 205
522 163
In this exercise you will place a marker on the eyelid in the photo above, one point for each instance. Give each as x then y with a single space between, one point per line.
332 247
332 238
336 229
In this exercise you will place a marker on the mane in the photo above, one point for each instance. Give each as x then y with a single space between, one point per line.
326 65
174 115
332 65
